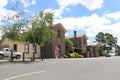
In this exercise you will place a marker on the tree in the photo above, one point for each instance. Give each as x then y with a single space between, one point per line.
68 45
107 41
14 24
117 50
100 37
40 32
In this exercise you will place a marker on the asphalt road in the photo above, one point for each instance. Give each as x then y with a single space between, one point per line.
63 69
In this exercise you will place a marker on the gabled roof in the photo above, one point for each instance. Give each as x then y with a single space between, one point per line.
83 35
93 44
60 25
79 36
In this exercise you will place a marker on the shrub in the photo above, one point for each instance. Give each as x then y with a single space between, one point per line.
81 56
72 55
75 55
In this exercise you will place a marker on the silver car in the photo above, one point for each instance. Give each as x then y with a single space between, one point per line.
6 52
109 54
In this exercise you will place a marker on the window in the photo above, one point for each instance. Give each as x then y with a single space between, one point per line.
80 42
26 48
88 48
11 50
7 50
84 40
58 33
34 49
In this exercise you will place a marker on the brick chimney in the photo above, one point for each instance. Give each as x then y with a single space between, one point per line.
75 34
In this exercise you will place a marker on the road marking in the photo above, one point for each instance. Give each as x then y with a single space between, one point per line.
26 74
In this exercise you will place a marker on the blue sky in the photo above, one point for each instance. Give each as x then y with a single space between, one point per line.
85 16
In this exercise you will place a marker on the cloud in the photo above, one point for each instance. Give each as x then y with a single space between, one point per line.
33 2
3 11
3 3
27 3
79 23
92 4
64 5
89 4
57 13
115 15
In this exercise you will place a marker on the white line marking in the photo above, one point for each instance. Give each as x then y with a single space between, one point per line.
26 74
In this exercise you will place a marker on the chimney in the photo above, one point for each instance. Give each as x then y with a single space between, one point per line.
75 34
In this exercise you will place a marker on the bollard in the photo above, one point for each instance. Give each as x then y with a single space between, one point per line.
11 57
33 56
23 56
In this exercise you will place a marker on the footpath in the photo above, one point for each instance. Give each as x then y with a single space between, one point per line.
3 61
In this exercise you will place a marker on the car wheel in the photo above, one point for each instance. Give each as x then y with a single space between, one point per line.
17 56
1 56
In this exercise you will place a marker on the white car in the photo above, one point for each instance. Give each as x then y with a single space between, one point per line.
110 54
6 52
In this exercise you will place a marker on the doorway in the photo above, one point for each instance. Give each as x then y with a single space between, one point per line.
15 47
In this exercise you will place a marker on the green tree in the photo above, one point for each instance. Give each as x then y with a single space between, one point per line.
13 25
100 37
40 32
68 45
117 50
107 41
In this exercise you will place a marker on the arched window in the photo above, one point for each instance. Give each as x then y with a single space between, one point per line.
58 33
34 49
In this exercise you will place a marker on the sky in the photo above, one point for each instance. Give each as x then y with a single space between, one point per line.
84 16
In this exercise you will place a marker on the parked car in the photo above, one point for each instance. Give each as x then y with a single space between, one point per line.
109 54
6 52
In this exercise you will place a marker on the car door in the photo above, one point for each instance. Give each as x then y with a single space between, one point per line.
7 52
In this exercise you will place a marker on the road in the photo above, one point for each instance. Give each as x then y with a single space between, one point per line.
63 69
